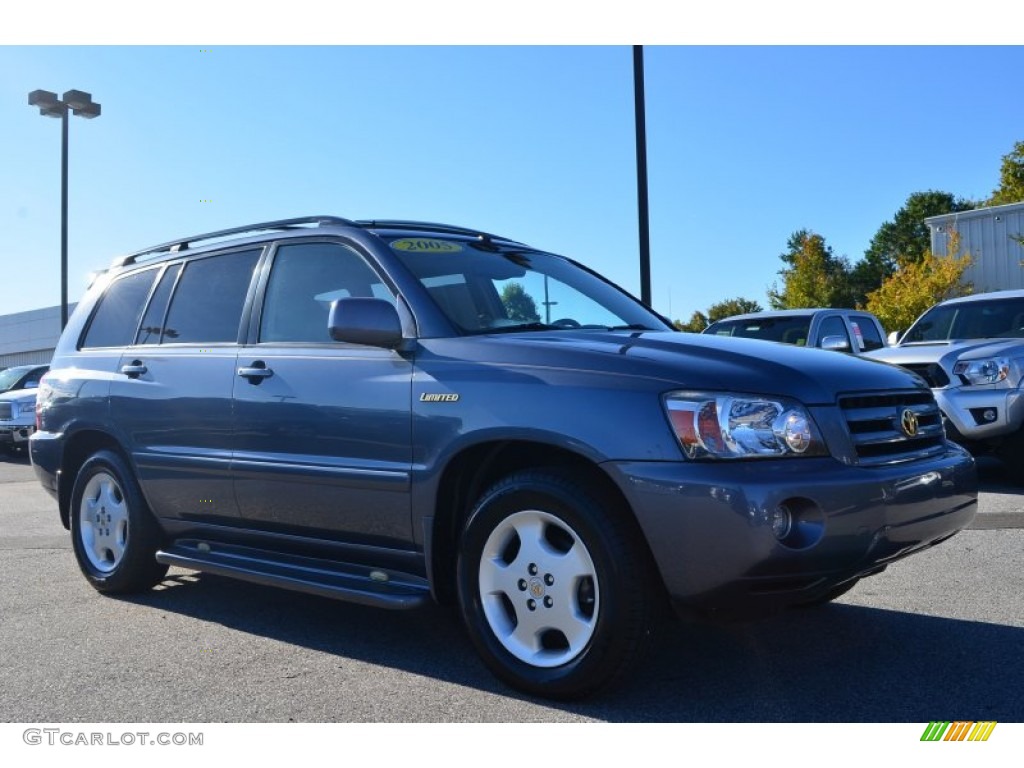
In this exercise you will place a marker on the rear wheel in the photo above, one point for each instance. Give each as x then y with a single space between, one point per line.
553 586
113 533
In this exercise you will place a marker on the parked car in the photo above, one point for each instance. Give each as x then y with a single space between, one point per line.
388 412
17 419
843 330
21 377
970 351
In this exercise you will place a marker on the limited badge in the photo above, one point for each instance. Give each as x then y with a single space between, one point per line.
448 397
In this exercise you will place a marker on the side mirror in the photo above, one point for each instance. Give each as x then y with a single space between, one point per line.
835 343
373 322
894 338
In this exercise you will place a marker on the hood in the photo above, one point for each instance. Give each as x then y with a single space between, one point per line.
946 353
693 361
13 395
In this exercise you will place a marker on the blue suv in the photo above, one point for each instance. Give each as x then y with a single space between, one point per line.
390 412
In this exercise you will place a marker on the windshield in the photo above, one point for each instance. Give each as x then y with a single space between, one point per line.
992 319
791 329
9 377
483 287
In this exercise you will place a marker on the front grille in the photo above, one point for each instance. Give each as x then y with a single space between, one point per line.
5 410
930 372
876 423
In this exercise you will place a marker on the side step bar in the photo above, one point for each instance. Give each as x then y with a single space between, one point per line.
342 581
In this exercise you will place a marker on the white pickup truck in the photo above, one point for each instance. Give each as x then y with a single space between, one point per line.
971 352
842 330
18 405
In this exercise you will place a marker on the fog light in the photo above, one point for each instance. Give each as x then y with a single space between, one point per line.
989 415
782 522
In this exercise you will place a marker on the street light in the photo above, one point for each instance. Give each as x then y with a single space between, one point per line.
81 104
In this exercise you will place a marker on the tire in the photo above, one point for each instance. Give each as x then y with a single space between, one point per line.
113 533
828 597
554 586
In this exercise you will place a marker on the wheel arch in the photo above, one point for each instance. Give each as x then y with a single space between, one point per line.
475 469
80 446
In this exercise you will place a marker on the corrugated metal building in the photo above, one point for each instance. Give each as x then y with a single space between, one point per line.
29 337
987 235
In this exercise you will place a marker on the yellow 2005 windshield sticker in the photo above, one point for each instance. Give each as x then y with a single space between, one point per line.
425 245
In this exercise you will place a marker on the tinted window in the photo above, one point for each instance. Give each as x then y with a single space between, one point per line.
304 280
833 326
789 329
982 319
866 332
484 287
117 317
207 304
152 324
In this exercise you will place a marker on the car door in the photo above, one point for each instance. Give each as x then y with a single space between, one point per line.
323 429
171 399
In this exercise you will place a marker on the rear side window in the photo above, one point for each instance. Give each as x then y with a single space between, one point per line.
207 304
117 316
866 332
152 324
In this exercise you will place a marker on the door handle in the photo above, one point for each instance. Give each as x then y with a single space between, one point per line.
256 372
134 369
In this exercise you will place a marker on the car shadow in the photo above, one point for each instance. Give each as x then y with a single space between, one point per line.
837 663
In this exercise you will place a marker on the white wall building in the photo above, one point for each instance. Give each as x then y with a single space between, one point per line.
29 337
987 234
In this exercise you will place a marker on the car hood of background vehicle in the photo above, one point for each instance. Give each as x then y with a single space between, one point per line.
948 352
18 394
698 362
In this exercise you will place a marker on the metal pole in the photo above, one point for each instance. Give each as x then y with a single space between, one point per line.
641 175
64 219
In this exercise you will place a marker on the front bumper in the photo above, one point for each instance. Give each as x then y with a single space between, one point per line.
709 525
15 435
964 408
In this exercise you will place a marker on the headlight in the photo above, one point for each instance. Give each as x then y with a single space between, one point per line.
735 426
983 371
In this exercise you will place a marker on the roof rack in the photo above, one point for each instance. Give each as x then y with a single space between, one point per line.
429 226
174 246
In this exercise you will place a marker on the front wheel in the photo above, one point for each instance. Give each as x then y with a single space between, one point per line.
113 533
553 586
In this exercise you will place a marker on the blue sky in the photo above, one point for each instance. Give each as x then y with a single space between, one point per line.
745 146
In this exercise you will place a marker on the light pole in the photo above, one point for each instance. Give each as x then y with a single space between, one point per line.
81 104
639 110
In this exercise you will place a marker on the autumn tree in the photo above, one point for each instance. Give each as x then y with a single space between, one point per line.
814 275
905 238
1011 178
519 305
918 284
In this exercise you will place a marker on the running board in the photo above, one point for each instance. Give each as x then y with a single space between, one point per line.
342 581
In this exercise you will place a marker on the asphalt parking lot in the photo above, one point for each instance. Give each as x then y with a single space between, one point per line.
937 636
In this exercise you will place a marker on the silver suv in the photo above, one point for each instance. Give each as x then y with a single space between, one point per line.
971 352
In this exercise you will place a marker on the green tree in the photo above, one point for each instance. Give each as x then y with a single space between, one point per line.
918 284
905 238
814 275
698 322
730 307
1011 178
519 305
